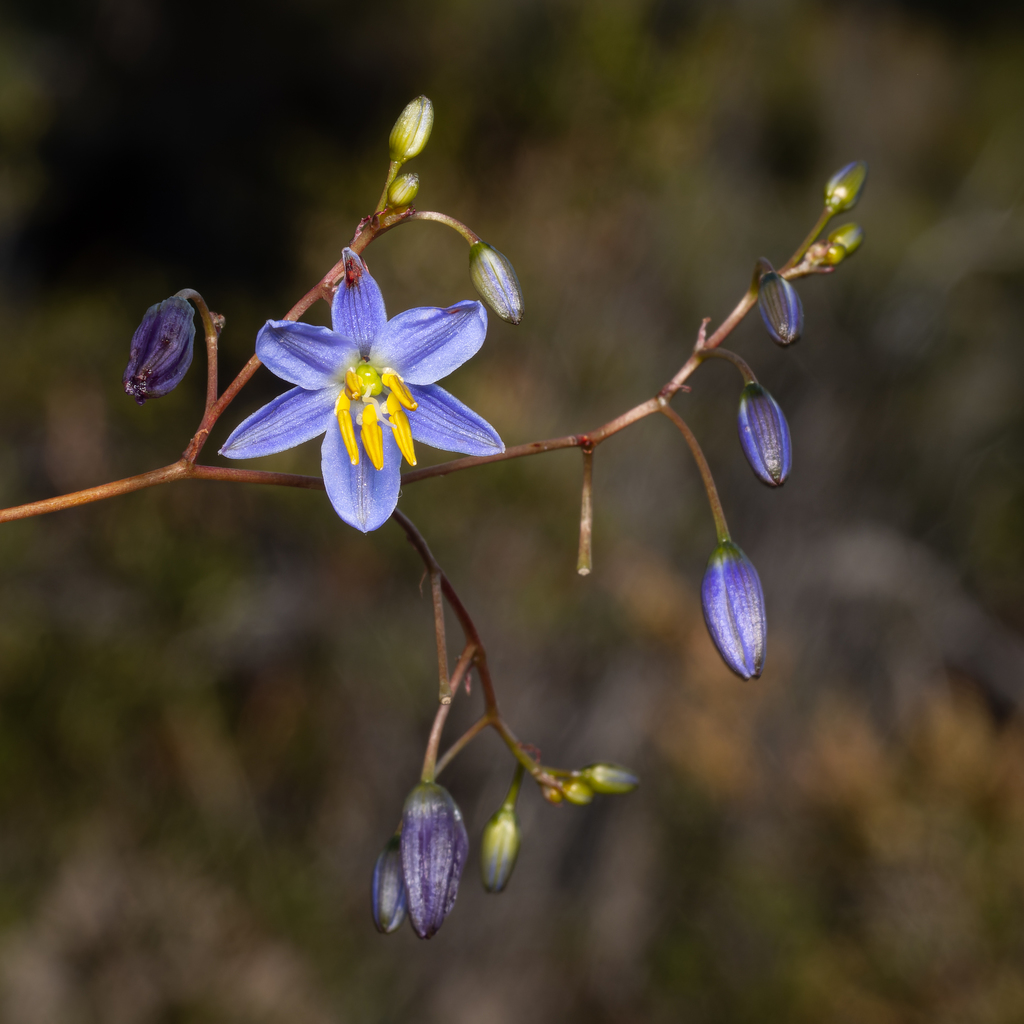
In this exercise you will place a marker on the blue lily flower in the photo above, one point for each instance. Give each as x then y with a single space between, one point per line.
374 374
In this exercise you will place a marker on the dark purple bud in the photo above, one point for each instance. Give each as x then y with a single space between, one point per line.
434 849
764 434
734 609
781 309
161 351
387 893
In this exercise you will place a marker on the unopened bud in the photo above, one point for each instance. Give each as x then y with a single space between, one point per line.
843 242
403 190
764 435
734 609
499 848
843 189
387 892
577 792
609 779
780 308
161 350
495 279
552 795
412 129
434 848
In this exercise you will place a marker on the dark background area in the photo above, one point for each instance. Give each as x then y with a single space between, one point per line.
213 699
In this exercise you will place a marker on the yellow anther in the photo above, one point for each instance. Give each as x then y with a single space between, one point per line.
369 380
348 431
400 425
373 436
397 385
353 385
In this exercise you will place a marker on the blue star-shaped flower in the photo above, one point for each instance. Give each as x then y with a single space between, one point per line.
370 384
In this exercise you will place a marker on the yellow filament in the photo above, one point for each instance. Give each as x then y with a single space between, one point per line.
400 425
373 436
348 432
391 380
353 385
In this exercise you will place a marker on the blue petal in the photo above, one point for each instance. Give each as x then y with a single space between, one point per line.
358 308
363 496
288 420
426 344
303 354
442 421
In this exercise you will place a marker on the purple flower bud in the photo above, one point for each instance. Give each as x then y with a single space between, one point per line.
764 434
387 893
434 848
734 609
781 309
161 351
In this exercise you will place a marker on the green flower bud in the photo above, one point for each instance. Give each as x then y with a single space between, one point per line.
403 190
412 129
495 279
609 779
578 792
843 189
499 848
847 237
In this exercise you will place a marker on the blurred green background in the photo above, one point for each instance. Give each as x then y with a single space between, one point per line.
213 699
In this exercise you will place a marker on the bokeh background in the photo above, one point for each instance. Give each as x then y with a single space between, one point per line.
213 699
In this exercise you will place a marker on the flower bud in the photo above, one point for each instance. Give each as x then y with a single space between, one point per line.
780 308
434 848
387 893
843 242
552 795
403 190
495 279
843 189
764 435
577 792
734 609
499 848
609 779
161 350
412 129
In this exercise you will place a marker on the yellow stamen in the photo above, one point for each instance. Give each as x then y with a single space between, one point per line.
398 387
353 385
348 432
400 425
373 436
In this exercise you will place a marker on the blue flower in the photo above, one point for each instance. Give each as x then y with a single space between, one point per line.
369 382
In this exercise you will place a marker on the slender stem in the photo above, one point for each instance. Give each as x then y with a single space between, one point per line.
444 694
823 219
539 773
430 757
462 742
392 171
705 472
213 324
443 218
737 361
513 790
585 562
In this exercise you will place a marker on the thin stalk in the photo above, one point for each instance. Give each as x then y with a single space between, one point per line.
392 172
444 694
825 216
212 326
585 561
430 757
462 742
512 795
737 361
443 218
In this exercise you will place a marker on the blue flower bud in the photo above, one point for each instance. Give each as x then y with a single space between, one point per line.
434 848
734 609
387 893
780 308
764 434
843 189
499 848
495 279
609 779
161 350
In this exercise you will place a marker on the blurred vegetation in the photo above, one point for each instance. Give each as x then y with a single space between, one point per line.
213 699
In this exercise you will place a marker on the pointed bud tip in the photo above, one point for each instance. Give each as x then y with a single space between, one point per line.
161 350
764 435
733 604
844 188
496 280
412 129
609 779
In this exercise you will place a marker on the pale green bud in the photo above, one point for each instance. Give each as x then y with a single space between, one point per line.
843 189
403 190
846 236
499 848
577 792
609 779
412 129
495 279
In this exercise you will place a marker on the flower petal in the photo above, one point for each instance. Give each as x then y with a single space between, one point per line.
442 421
363 496
296 416
357 311
426 344
303 354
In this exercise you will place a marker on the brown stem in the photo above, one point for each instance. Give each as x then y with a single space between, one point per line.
212 326
444 694
731 357
584 561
